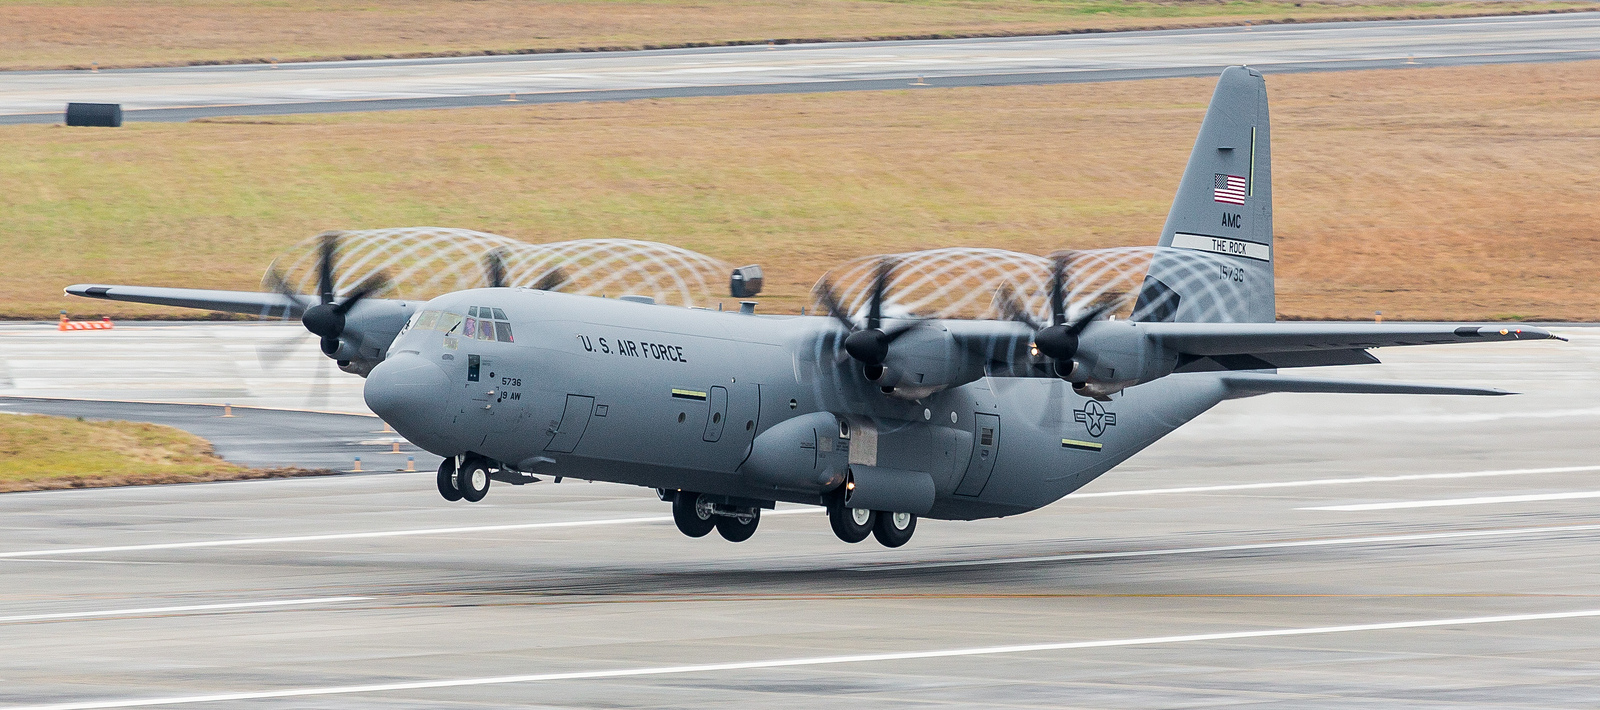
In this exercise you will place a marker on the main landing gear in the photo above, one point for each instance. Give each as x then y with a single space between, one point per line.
469 481
855 524
697 514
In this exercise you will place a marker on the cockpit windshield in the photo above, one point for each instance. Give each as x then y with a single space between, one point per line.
481 323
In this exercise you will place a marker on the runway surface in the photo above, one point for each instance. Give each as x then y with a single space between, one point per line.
268 364
1221 567
260 438
179 94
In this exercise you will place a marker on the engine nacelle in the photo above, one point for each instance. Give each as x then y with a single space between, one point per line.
1115 355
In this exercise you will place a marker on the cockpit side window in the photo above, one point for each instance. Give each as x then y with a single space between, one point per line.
427 320
502 332
500 315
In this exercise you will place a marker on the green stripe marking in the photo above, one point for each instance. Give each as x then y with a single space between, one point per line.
689 394
1081 445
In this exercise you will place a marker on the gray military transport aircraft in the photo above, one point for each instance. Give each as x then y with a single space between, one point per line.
879 417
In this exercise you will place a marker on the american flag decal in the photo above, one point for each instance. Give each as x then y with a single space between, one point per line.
1229 189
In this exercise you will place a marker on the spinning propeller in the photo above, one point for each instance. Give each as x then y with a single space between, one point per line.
1059 339
494 270
868 345
327 319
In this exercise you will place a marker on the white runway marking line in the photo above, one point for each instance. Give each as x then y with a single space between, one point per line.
1337 481
360 535
1329 542
813 661
1444 502
179 609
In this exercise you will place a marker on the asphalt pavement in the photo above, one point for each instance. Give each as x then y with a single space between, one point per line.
1285 551
260 438
186 93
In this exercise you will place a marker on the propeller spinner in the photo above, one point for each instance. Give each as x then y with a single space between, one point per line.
1059 340
870 344
327 319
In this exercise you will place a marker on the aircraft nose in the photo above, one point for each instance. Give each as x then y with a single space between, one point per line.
412 395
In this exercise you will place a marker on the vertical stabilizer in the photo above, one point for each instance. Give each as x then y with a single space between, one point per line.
1216 264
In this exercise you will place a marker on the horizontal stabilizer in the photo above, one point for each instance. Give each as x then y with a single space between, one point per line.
1246 384
251 302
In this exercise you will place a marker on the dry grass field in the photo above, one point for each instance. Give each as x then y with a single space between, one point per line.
1460 193
111 33
43 453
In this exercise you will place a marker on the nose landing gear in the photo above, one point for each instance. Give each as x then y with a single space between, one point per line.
469 481
447 480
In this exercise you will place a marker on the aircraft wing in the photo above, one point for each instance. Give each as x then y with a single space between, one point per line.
1256 346
1210 339
252 302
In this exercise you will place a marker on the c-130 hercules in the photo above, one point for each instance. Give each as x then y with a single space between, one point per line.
881 418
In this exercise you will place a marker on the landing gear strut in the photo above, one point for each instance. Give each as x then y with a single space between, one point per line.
740 525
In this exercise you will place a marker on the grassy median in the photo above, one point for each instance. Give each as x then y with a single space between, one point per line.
112 33
40 452
1457 193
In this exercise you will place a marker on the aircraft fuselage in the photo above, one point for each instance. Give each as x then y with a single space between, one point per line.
740 405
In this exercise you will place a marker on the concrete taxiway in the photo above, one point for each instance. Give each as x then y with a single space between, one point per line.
1298 551
179 94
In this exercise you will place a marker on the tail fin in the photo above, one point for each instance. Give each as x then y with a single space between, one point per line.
1218 267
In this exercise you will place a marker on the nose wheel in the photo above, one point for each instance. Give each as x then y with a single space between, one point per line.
473 480
447 480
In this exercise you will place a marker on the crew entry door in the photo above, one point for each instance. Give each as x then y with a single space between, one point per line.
985 449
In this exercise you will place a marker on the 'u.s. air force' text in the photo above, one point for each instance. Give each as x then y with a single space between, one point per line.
633 348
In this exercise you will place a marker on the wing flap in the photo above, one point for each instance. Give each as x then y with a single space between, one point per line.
1245 384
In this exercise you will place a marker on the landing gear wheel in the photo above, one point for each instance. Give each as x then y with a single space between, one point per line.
738 528
473 480
693 519
894 529
851 524
447 480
